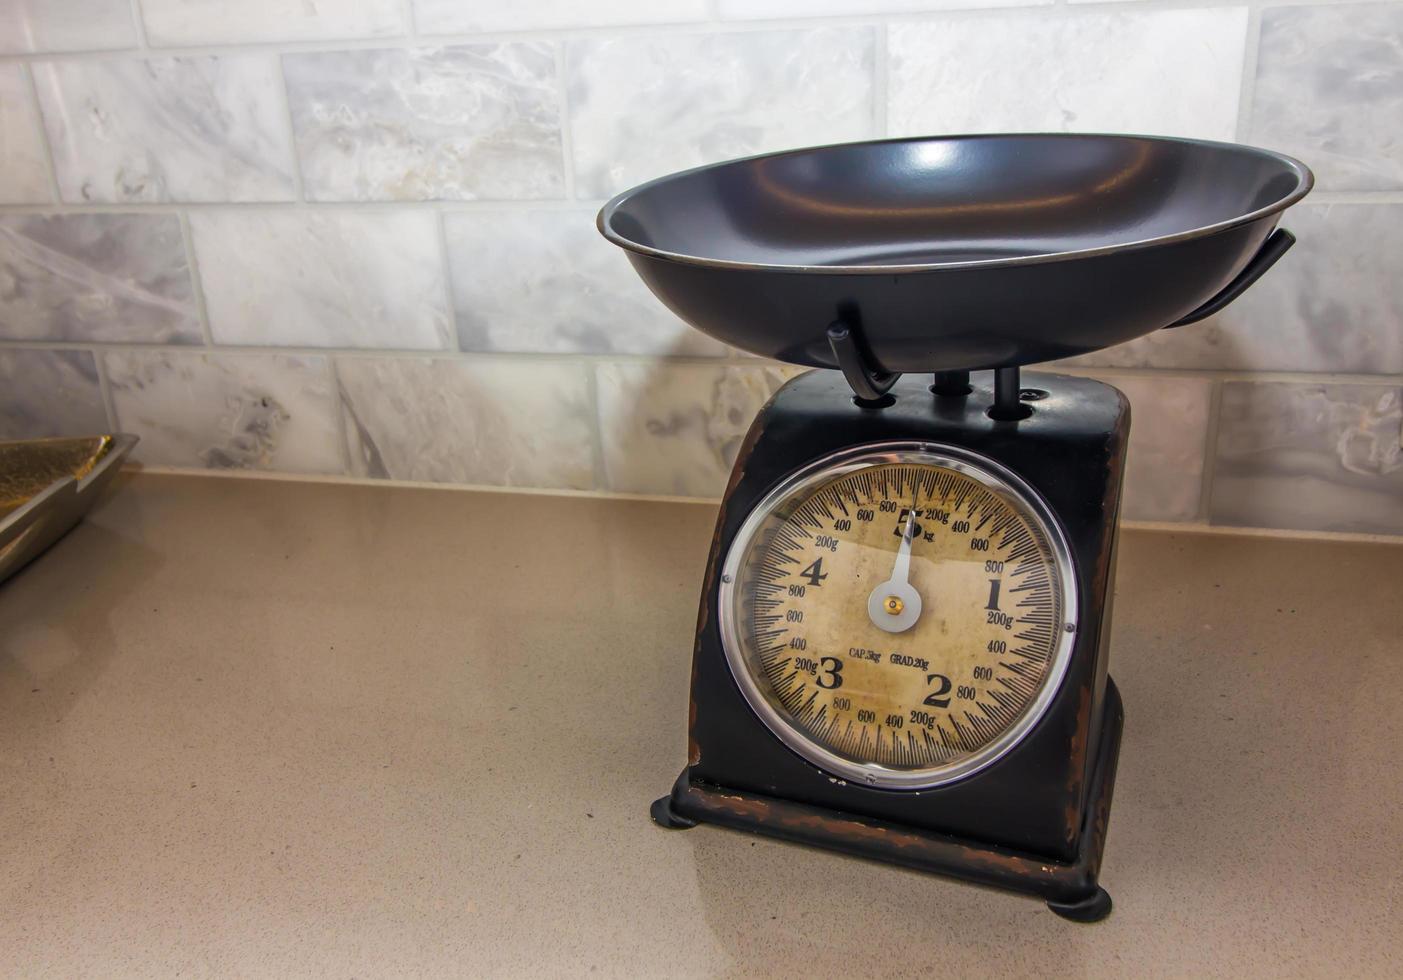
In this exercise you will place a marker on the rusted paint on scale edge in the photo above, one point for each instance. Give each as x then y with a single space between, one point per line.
897 844
713 565
1079 808
1081 735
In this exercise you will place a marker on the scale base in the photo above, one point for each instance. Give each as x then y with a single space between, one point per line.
1069 888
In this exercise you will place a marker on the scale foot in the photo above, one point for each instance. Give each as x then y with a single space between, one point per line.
665 816
1094 908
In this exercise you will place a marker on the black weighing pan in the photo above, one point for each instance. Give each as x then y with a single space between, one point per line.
960 252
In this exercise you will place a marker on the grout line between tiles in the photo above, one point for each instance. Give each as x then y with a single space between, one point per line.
1248 87
1186 527
139 25
298 189
1253 375
197 283
1210 452
567 136
452 342
104 387
52 170
880 80
586 206
732 359
411 24
280 476
596 428
165 207
1355 197
1286 533
711 24
338 399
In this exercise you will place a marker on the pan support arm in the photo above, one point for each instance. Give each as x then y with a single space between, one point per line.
1276 245
868 384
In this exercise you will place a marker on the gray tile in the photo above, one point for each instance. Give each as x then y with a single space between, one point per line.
65 25
458 17
548 281
1321 457
765 9
676 428
24 173
168 129
457 123
227 411
1333 303
642 106
490 422
325 278
95 277
220 22
1069 71
1168 436
49 393
1329 90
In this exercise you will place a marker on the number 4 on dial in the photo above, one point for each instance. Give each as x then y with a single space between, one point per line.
814 573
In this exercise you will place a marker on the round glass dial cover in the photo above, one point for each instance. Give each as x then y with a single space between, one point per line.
900 615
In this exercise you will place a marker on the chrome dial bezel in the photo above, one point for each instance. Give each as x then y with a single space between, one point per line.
996 478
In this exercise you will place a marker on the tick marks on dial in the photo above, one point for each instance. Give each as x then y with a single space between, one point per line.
973 557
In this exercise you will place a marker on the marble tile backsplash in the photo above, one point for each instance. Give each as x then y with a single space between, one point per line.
459 421
49 393
323 278
1169 419
1334 303
179 22
167 129
462 17
356 237
1069 71
547 281
65 25
97 278
1329 88
24 175
675 429
642 106
424 124
227 411
1326 457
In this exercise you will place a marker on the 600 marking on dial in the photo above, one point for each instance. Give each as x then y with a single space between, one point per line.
899 615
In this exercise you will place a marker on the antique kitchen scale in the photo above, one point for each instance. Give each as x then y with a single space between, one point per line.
902 645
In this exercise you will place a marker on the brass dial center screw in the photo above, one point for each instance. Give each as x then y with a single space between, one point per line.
893 605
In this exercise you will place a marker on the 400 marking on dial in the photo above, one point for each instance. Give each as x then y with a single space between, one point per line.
899 615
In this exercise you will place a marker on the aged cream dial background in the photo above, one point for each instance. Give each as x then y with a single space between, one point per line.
825 632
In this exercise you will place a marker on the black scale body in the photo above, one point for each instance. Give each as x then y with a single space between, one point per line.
1034 820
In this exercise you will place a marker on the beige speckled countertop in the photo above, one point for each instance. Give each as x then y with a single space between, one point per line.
252 728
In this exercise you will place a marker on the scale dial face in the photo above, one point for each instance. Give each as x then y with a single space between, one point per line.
901 615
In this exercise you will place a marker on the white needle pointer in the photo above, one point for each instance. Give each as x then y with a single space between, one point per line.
895 605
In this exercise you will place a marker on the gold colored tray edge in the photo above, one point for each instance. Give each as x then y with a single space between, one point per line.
47 485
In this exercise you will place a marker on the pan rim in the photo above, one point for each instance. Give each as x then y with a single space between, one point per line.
1305 181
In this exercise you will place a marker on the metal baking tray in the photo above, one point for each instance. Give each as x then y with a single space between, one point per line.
46 486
